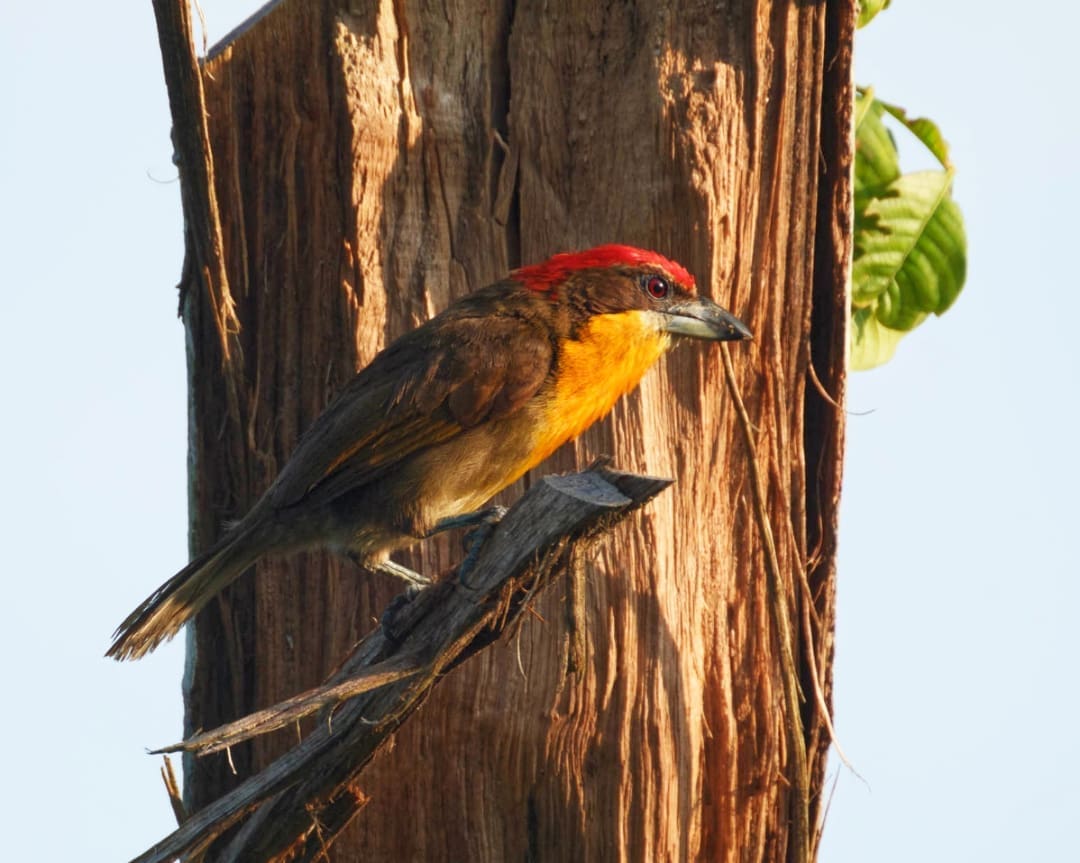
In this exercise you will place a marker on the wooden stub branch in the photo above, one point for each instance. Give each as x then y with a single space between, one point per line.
300 802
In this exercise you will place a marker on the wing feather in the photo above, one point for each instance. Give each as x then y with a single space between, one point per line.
449 375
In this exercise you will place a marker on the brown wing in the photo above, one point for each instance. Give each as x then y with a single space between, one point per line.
460 369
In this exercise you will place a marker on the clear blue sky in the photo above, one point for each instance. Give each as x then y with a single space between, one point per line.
956 693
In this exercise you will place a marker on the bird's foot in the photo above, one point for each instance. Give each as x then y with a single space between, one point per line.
485 522
389 619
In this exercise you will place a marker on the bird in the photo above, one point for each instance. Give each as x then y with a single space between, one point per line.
451 413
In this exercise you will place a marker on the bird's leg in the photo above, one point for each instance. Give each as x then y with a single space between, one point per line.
482 522
489 517
415 582
414 579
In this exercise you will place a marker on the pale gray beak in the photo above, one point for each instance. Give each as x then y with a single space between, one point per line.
703 319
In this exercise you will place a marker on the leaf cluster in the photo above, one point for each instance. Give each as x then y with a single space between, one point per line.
910 248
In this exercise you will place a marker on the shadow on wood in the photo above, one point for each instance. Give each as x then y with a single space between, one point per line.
299 803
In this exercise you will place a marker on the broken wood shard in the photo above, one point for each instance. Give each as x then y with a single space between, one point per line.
301 801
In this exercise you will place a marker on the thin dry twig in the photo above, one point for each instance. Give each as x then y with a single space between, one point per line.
820 387
815 677
172 788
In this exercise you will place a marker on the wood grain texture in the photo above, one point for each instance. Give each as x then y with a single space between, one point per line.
374 160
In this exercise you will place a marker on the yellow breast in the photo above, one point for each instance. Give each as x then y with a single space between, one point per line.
606 361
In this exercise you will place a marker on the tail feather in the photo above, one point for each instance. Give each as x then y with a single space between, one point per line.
167 609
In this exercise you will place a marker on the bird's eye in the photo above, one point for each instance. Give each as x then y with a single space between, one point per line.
657 287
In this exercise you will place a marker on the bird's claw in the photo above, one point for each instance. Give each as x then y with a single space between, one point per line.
474 540
388 620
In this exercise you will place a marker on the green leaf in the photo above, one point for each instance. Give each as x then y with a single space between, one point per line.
869 8
925 130
877 162
910 249
872 343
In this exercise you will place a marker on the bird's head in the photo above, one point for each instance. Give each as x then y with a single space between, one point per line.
614 279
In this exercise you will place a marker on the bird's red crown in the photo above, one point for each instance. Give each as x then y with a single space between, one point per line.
540 277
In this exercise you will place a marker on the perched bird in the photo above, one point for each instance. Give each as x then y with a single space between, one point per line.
450 414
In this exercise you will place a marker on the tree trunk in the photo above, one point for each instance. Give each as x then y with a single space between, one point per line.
373 161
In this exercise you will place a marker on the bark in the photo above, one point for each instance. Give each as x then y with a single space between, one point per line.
371 161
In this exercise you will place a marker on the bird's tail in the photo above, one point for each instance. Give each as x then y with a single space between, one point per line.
167 609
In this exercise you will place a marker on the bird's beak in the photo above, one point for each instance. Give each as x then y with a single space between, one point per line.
703 319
